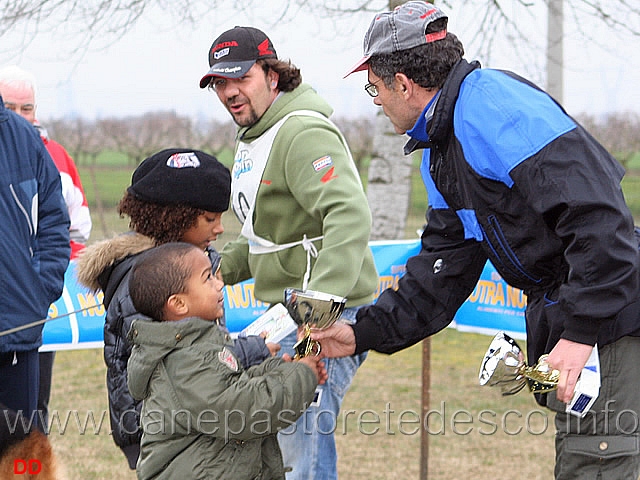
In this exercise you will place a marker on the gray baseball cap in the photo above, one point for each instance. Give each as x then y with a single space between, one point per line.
403 28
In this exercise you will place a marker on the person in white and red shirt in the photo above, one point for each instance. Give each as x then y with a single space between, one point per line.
18 91
71 190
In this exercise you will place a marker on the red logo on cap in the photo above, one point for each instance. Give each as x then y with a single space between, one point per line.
263 49
428 13
233 43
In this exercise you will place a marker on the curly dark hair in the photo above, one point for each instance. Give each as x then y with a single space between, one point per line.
427 65
289 76
163 223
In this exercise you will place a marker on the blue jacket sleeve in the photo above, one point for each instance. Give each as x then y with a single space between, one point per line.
53 227
437 281
250 350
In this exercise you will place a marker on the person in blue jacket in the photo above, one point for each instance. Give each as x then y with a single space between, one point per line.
34 255
512 179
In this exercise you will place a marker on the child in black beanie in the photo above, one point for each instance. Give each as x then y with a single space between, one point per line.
176 195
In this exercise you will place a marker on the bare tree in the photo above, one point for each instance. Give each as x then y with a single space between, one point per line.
142 135
619 133
215 137
96 24
116 133
85 140
99 23
104 22
389 185
359 133
88 23
82 138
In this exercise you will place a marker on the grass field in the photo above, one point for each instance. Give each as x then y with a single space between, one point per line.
472 431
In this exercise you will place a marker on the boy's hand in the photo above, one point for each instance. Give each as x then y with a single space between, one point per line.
274 348
317 366
286 357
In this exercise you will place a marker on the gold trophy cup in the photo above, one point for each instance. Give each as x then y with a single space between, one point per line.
311 309
504 366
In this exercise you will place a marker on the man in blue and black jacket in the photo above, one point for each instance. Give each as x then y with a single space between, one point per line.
512 179
34 254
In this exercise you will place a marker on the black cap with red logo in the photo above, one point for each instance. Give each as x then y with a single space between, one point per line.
234 52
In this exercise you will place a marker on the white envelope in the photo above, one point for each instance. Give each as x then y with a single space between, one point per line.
276 322
588 386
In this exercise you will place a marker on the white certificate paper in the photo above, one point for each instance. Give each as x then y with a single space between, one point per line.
276 322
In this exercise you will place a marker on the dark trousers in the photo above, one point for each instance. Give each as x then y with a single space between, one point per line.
605 444
19 382
44 393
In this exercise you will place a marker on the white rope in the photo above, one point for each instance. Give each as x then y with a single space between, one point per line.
44 320
312 251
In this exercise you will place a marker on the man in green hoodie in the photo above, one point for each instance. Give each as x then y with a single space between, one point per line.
304 214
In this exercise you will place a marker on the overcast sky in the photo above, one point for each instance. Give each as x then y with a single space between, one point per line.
157 66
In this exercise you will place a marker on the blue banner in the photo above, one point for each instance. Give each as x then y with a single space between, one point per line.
78 316
493 306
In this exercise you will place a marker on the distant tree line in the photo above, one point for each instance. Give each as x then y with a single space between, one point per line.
618 132
137 137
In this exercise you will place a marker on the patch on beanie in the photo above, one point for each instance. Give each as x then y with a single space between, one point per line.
183 160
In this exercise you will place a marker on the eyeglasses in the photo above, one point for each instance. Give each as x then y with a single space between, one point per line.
217 84
371 89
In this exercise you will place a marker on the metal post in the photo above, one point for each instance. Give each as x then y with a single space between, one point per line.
426 388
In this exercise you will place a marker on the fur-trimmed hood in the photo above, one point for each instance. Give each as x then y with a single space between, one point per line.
96 261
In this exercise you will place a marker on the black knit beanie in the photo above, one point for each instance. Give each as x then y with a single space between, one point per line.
181 176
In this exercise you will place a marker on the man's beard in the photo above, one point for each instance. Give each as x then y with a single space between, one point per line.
248 120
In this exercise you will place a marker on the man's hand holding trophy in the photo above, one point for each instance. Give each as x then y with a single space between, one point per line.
312 309
504 366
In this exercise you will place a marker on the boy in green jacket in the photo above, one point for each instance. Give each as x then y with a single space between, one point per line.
203 415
